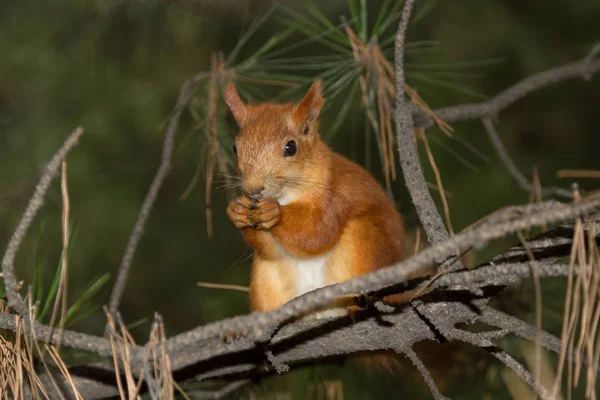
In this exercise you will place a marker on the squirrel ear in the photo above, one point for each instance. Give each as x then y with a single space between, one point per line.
310 106
236 105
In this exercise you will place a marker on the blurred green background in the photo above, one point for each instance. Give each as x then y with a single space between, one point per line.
115 68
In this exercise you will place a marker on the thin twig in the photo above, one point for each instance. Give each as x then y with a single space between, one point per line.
220 393
435 392
514 170
37 201
521 371
507 97
501 274
146 208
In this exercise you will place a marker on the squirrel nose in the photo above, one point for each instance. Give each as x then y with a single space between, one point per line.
254 191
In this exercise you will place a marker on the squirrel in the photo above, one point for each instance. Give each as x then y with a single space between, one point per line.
312 216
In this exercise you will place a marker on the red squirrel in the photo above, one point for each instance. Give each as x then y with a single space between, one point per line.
312 216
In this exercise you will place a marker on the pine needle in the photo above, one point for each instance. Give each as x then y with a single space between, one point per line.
225 286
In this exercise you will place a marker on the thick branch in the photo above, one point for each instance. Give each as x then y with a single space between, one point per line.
204 343
409 158
76 340
261 325
88 388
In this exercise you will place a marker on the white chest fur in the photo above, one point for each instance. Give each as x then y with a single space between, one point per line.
310 273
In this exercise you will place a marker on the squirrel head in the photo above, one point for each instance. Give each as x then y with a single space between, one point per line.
275 146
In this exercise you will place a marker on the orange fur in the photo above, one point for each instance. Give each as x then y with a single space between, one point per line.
315 211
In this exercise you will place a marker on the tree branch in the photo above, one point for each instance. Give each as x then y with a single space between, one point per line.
499 274
261 325
305 342
520 370
409 158
220 393
162 172
435 392
490 108
514 170
272 342
204 343
76 340
519 327
37 201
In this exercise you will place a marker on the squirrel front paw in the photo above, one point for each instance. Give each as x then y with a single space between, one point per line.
245 212
267 213
240 210
232 337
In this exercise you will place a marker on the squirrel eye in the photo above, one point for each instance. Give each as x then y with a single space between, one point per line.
235 149
290 149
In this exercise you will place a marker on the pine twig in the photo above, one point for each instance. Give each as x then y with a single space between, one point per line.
37 201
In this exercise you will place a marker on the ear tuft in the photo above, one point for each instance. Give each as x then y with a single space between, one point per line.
309 108
235 103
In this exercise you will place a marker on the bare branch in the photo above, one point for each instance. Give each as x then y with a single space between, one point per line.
76 340
520 370
37 201
409 158
519 327
499 274
425 373
88 388
261 325
159 178
514 170
445 322
292 344
490 108
204 343
220 393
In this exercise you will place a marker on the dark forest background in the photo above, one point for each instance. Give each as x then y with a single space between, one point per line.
115 68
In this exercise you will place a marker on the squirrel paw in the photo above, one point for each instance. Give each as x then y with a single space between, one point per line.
244 213
354 312
232 337
267 213
240 210
360 302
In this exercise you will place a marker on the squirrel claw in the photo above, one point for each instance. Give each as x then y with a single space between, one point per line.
232 337
353 312
263 214
362 301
